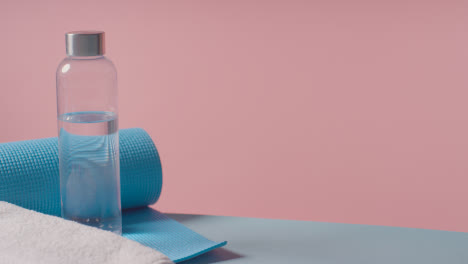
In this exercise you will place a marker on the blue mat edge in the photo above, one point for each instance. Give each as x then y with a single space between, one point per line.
161 185
221 244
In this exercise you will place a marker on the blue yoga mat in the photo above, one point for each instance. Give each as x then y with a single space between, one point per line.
29 177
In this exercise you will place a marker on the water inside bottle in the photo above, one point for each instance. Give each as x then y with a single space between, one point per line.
89 169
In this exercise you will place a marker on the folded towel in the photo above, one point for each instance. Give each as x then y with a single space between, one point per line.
28 237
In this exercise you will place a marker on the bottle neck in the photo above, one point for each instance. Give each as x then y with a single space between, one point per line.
86 57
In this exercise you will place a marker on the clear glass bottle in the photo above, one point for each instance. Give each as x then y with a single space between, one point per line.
88 133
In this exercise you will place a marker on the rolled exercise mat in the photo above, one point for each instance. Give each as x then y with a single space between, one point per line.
29 177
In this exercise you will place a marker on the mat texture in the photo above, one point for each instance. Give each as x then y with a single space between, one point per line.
29 177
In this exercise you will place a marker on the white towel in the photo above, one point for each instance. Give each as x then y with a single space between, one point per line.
30 237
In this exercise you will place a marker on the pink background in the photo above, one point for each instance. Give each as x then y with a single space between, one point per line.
340 111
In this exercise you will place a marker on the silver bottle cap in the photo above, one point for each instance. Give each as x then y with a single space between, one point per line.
85 43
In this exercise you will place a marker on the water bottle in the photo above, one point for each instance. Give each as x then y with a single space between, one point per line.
88 133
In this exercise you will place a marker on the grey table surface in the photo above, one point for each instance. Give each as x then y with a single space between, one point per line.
261 241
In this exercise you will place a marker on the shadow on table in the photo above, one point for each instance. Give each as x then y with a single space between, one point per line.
183 217
214 256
